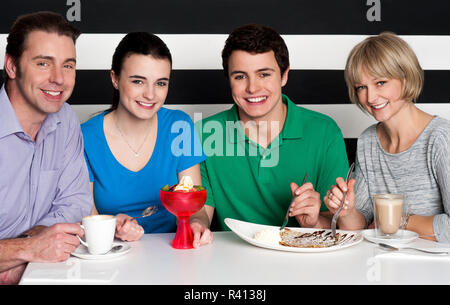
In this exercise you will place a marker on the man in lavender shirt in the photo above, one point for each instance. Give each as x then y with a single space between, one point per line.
44 182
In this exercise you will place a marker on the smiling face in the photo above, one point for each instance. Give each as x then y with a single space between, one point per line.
381 97
44 76
256 83
143 85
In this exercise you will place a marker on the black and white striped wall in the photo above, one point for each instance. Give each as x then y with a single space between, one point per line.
319 35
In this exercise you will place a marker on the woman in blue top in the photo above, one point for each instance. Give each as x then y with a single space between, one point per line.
136 147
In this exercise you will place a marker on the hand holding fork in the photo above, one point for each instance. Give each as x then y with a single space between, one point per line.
305 204
286 217
335 196
345 190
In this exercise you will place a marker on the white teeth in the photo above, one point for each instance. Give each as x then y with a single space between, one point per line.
379 106
53 93
257 99
146 104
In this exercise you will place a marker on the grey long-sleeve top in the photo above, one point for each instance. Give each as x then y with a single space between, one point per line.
422 173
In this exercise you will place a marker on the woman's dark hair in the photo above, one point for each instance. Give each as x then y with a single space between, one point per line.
49 22
136 43
256 39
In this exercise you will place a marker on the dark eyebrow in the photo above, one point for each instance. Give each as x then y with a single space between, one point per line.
52 58
237 72
259 70
144 78
71 59
43 57
137 76
265 69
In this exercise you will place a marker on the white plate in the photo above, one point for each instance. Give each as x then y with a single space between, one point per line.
401 237
246 231
82 252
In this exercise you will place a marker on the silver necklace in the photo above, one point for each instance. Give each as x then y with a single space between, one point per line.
136 152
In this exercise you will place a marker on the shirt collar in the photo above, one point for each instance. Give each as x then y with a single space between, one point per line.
50 123
48 126
9 123
234 133
292 129
293 126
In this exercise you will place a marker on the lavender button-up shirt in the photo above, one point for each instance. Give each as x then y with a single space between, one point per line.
42 182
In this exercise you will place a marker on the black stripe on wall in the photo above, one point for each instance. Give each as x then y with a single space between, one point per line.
350 145
211 87
405 17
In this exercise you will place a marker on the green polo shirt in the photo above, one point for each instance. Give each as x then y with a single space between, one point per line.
247 182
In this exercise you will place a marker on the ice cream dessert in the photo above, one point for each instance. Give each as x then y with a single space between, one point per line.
268 236
183 200
186 185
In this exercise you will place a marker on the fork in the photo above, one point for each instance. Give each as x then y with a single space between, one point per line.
286 217
336 216
392 248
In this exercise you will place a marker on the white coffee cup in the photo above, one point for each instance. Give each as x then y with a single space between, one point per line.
99 233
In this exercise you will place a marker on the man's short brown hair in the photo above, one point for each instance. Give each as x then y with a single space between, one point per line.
256 39
49 22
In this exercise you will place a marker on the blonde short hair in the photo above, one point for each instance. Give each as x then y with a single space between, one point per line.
384 56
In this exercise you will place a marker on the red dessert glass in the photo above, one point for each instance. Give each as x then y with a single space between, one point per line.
183 205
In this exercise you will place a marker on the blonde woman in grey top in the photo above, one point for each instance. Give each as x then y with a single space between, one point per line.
406 152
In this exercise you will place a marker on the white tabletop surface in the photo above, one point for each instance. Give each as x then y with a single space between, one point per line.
232 261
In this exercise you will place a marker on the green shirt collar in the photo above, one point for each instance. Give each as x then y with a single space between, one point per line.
292 128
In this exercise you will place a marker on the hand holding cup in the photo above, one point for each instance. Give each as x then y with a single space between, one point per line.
99 232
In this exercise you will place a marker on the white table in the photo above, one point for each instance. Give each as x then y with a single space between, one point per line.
232 261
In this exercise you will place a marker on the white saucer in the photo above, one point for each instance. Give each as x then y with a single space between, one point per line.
82 252
401 237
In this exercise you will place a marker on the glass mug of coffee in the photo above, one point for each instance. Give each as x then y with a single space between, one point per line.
389 212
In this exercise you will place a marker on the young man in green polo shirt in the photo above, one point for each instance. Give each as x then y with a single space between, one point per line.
260 149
